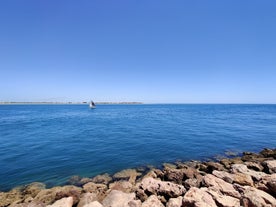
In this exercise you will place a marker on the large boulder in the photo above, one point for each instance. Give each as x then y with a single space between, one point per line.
152 201
48 196
270 166
33 189
254 166
118 199
253 197
196 197
228 177
269 153
159 187
211 166
223 200
220 185
97 188
64 202
268 184
241 168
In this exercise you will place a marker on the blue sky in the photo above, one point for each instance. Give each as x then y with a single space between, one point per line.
154 51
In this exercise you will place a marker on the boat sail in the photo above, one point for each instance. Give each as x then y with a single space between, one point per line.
92 105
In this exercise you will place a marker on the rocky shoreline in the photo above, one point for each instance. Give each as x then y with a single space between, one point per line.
249 181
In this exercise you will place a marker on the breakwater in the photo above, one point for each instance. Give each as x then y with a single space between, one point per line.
249 181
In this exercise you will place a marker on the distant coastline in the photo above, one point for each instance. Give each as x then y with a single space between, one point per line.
42 102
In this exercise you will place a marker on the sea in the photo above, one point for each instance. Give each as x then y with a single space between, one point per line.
51 143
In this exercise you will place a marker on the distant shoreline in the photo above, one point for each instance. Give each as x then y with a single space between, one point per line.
61 103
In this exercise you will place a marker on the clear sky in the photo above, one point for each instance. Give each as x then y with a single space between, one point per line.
154 51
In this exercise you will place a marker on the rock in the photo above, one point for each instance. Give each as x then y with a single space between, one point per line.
74 180
196 197
128 174
151 174
31 204
64 202
152 201
241 168
118 199
269 153
48 196
272 186
254 166
102 179
211 166
226 163
135 203
220 185
268 184
175 175
251 156
224 200
99 189
14 196
175 202
253 197
169 165
83 181
270 166
229 178
192 182
124 186
93 204
243 179
33 189
87 198
158 187
180 175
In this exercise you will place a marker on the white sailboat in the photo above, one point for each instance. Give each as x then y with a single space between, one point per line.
92 105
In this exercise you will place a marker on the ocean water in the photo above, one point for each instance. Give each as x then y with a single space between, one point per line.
50 143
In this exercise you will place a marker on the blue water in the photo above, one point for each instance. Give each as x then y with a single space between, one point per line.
50 143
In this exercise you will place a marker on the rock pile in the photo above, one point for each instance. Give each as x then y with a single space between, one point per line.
249 181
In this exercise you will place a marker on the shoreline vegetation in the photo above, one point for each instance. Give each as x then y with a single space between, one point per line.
248 180
79 103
